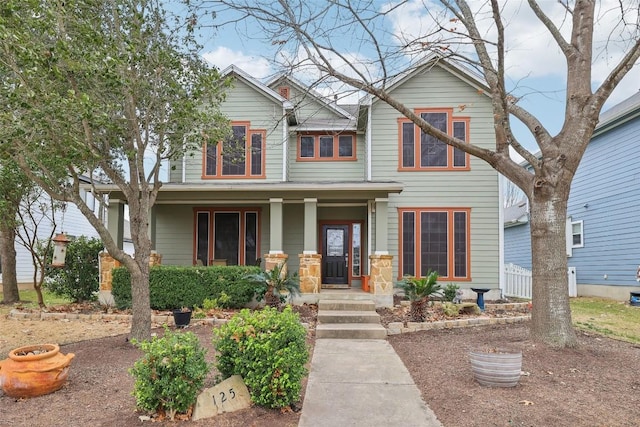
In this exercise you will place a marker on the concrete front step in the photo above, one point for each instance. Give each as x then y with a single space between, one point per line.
348 305
351 331
347 316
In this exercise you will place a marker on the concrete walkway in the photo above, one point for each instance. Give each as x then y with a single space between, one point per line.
358 382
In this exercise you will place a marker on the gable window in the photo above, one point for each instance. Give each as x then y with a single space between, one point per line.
435 240
284 91
324 147
420 151
226 234
241 155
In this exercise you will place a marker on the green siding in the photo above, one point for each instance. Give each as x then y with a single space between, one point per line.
174 234
328 170
244 103
175 230
476 189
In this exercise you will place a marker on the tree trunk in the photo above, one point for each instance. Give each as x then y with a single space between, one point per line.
418 312
140 299
10 292
551 314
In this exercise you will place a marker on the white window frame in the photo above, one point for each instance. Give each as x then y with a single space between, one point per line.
581 223
569 235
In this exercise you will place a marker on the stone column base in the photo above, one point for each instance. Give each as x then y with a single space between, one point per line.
310 277
381 272
271 260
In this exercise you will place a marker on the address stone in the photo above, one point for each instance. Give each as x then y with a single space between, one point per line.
229 396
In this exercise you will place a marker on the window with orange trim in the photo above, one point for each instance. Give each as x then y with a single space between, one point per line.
284 91
435 240
326 147
226 234
239 156
421 151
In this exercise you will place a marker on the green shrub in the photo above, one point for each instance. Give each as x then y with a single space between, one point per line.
172 286
449 292
268 349
450 309
79 279
170 374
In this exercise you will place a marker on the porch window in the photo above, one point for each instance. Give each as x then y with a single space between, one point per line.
325 147
241 155
229 234
420 151
437 240
356 250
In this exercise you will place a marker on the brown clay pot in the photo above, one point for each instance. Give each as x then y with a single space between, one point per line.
34 370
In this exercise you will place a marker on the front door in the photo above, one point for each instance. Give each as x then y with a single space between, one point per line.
335 255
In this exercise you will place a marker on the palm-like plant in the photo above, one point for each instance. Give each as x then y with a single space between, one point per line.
419 290
275 285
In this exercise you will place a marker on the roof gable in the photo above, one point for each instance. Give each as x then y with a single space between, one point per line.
287 80
458 70
236 72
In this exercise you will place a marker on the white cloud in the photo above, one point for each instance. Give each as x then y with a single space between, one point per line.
222 57
531 51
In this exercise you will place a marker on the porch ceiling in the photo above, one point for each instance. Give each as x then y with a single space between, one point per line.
263 191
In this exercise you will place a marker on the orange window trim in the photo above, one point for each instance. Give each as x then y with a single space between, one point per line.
219 155
450 241
417 139
336 147
211 211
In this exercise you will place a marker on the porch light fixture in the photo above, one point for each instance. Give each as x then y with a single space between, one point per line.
60 242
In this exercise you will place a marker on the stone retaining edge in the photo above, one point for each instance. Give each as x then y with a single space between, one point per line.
396 328
159 319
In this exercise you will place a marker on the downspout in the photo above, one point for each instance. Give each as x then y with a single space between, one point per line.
501 234
285 144
369 141
184 162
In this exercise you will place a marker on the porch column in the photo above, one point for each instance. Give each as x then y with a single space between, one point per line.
310 226
381 282
310 278
115 218
382 233
276 244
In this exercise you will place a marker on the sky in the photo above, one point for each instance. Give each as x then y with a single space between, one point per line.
535 68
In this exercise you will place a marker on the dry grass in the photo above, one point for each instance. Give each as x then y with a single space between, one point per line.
614 319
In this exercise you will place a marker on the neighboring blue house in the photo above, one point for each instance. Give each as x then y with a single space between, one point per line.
603 230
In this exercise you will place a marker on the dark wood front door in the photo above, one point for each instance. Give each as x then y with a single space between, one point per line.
335 254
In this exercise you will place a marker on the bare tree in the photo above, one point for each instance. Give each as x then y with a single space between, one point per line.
37 212
511 194
319 38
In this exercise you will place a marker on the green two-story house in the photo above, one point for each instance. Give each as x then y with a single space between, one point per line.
343 193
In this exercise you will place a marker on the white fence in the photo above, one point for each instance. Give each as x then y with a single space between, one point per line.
518 282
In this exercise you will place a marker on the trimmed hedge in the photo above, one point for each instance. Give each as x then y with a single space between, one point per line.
173 286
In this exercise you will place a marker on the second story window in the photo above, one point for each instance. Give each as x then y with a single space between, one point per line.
420 151
239 156
320 147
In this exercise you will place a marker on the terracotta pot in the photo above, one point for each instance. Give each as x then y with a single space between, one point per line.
496 369
34 370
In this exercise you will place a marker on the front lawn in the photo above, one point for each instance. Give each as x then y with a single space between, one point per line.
615 319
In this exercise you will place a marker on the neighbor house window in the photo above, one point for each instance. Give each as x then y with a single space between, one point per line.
324 147
420 151
241 155
577 234
226 234
435 240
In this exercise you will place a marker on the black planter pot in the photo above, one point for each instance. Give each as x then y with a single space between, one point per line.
181 318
